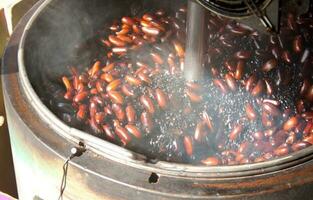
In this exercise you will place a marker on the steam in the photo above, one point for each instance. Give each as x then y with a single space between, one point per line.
65 34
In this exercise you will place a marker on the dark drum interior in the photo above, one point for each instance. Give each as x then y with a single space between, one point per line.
59 36
69 34
64 35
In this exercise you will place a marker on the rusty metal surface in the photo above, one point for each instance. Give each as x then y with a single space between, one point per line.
39 153
7 183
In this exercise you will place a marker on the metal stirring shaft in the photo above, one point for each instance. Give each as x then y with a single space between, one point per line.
195 42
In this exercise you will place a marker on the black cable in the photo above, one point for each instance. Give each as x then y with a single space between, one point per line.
63 183
75 152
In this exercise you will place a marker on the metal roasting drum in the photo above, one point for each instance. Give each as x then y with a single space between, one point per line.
46 40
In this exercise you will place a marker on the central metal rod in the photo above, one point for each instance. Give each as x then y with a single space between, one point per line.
195 41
